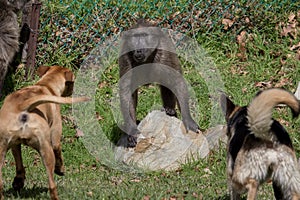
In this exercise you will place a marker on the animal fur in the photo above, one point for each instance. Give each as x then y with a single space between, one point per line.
259 148
31 116
9 34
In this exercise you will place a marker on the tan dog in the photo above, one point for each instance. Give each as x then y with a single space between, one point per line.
259 148
31 116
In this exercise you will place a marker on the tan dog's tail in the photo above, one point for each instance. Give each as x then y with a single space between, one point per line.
31 103
260 110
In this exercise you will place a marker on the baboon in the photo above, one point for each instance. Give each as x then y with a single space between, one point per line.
147 45
9 34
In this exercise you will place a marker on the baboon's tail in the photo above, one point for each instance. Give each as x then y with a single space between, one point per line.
260 110
33 102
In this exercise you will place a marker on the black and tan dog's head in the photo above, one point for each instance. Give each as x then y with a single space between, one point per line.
58 73
237 125
235 116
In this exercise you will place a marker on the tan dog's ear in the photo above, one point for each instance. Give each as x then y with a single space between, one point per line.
69 76
42 70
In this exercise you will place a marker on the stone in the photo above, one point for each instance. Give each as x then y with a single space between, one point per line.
164 144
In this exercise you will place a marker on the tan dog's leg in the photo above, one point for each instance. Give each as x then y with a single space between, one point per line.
19 179
252 187
48 158
56 145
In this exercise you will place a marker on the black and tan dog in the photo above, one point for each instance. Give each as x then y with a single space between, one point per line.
259 148
31 116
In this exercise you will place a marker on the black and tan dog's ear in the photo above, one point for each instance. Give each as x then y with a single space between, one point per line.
42 70
227 106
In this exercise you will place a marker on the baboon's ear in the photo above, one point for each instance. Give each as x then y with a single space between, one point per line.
69 76
42 70
227 106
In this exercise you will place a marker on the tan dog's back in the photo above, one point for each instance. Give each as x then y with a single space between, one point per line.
11 114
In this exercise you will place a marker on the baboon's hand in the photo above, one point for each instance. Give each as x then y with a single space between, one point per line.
191 125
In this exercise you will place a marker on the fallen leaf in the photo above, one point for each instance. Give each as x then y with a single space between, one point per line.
79 133
207 170
241 40
102 84
146 197
90 194
292 17
286 30
227 23
98 116
283 82
294 47
135 180
263 84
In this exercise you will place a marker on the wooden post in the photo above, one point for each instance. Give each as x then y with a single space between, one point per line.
32 18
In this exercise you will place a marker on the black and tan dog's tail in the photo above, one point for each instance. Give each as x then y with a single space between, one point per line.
260 110
31 103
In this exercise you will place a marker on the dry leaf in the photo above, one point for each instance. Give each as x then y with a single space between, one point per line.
292 17
227 23
135 180
241 40
90 194
296 46
283 82
146 197
102 84
79 133
244 90
286 30
263 84
98 116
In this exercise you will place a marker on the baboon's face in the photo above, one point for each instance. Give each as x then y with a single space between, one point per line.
142 42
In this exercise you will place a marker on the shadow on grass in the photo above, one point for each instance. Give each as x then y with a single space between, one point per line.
34 193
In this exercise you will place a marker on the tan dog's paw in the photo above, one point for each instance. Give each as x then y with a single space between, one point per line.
59 170
18 183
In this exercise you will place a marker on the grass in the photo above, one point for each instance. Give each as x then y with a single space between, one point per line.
268 62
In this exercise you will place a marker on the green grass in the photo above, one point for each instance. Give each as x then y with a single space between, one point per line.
269 62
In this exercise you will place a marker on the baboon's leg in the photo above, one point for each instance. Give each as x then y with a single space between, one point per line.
182 93
128 108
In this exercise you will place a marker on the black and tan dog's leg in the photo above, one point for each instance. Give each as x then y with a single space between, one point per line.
252 187
48 158
19 179
234 195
